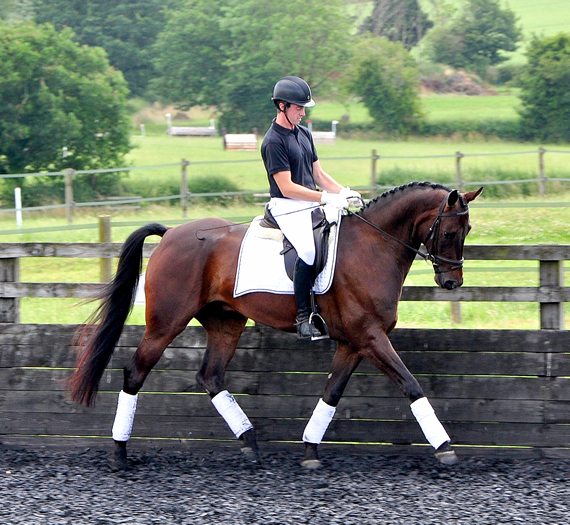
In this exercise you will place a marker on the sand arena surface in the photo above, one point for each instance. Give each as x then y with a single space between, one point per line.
213 486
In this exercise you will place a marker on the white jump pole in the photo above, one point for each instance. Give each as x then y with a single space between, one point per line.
18 201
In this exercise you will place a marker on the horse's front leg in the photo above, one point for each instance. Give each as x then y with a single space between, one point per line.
343 365
382 355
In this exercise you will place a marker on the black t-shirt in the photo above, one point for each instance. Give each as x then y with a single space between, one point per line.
289 150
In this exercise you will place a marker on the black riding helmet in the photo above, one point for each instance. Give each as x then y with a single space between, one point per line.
293 90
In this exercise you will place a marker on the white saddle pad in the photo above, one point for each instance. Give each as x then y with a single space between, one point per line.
261 267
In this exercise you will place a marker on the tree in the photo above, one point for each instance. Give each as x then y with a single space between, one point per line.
230 53
55 93
477 38
386 77
126 29
399 21
545 96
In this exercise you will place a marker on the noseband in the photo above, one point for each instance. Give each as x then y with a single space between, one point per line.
433 235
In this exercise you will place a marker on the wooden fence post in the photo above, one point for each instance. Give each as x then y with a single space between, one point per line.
105 264
184 188
9 306
541 173
552 314
458 176
69 173
456 312
375 157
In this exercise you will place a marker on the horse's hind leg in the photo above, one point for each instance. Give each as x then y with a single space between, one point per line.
148 353
223 329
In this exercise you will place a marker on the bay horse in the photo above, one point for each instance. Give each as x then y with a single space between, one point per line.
192 272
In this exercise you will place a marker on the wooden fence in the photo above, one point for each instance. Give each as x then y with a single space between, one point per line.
496 390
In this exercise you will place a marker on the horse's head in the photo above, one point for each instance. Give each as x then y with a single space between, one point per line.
446 237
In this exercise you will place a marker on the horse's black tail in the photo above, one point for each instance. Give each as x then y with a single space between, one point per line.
96 344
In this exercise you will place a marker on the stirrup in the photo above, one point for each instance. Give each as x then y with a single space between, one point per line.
316 321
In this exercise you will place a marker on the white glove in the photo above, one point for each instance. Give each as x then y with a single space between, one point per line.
353 197
334 199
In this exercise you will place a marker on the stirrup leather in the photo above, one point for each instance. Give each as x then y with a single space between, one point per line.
315 319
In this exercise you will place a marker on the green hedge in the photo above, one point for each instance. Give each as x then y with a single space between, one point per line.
462 129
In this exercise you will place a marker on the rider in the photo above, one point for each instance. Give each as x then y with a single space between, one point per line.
294 172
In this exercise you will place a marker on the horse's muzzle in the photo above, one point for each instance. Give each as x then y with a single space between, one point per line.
447 282
451 284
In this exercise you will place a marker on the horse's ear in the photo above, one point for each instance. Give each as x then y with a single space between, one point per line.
453 198
472 195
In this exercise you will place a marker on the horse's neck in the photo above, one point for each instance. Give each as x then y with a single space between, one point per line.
396 217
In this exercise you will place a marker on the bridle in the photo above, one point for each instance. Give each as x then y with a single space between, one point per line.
432 254
433 234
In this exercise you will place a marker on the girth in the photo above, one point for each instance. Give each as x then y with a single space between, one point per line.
321 231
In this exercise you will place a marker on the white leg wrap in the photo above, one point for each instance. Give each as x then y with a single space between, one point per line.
319 422
430 425
233 415
124 416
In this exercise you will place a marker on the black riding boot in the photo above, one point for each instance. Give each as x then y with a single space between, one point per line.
302 283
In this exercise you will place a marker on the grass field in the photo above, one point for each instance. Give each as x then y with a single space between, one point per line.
536 17
436 108
348 160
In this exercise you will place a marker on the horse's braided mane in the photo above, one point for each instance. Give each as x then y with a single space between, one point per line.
411 185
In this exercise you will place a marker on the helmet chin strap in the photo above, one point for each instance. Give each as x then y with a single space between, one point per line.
285 106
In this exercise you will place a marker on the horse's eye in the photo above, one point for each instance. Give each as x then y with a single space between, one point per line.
449 235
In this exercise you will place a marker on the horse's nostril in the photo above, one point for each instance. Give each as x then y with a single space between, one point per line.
450 285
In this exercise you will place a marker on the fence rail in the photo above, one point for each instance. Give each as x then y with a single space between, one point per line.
372 189
551 292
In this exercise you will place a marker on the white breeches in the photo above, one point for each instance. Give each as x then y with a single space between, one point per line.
294 219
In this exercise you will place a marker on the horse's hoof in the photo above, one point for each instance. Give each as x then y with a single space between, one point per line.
118 460
251 456
118 463
447 457
312 464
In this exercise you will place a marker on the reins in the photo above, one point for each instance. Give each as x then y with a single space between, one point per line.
384 232
433 233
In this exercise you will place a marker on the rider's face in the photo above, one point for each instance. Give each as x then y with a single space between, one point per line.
295 113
